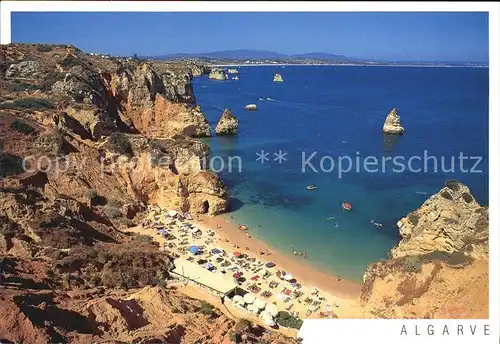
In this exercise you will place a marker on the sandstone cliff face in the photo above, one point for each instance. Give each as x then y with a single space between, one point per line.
392 124
448 221
440 267
218 74
227 125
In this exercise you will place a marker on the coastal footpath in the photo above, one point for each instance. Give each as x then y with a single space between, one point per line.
119 136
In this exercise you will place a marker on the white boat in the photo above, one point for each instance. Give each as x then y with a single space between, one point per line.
311 187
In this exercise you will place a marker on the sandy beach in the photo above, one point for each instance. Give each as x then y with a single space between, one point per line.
310 294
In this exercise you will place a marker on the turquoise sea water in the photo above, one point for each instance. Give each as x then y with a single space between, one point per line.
339 111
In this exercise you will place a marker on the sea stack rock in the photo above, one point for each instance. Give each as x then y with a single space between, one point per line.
232 71
227 125
217 74
277 78
392 124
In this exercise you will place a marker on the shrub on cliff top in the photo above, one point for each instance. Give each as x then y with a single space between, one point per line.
10 165
112 213
22 127
44 48
115 203
70 61
206 308
412 264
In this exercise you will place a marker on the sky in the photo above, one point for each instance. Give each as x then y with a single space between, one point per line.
407 36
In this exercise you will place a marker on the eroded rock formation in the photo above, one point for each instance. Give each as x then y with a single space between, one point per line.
228 124
392 124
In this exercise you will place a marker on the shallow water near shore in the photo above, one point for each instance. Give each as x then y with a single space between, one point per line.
336 111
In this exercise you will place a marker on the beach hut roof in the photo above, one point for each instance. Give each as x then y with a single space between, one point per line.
249 298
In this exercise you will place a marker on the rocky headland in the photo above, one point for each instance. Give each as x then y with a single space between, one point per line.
116 135
392 124
228 124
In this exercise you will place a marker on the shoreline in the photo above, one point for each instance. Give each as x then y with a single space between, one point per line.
299 267
335 65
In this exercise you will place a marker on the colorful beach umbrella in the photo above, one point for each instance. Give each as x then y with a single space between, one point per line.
270 265
288 277
194 249
237 254
216 251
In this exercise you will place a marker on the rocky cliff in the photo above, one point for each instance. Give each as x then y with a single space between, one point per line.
392 124
440 267
80 101
277 78
227 125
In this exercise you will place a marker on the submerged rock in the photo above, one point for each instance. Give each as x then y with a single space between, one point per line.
227 125
392 124
217 74
277 78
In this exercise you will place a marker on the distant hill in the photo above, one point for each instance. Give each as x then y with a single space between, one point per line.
259 55
252 54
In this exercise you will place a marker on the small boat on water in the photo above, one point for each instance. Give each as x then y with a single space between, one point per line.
236 78
346 206
311 187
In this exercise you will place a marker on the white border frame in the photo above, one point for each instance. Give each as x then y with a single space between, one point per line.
388 330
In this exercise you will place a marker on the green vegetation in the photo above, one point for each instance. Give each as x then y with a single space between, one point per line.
453 184
412 264
44 48
22 86
143 238
91 194
467 197
115 203
22 127
285 319
446 194
413 218
112 213
121 144
206 308
28 103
